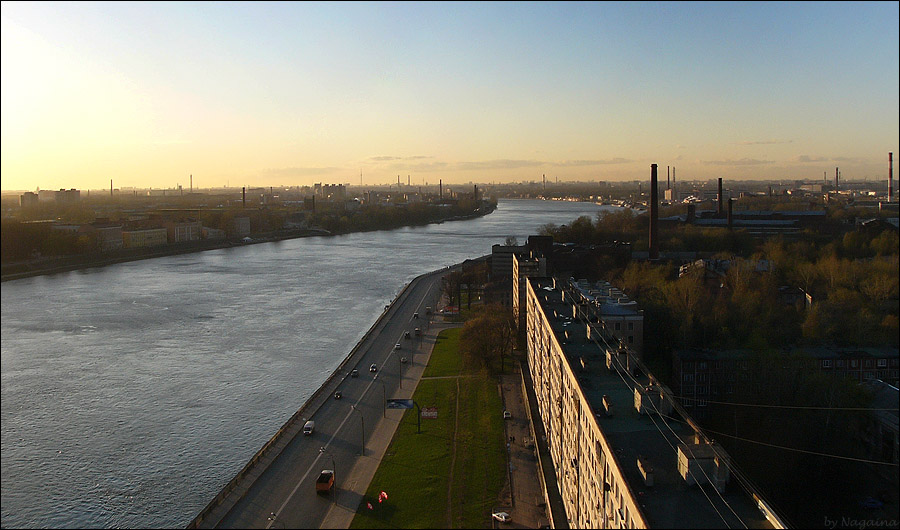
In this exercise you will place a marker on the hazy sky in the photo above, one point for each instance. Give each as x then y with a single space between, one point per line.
296 93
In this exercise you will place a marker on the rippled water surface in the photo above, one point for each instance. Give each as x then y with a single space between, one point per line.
131 394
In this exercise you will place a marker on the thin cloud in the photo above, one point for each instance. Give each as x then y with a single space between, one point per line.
498 164
421 166
571 163
741 162
390 158
807 158
764 142
287 172
848 159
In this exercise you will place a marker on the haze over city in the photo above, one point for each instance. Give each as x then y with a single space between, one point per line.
146 94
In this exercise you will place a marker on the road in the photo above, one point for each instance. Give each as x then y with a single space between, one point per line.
351 433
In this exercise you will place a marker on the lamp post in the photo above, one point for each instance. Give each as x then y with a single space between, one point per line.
362 447
323 451
384 395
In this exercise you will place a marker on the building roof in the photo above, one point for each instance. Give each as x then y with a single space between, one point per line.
670 502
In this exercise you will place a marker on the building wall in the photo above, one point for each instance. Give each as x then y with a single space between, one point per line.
592 485
145 238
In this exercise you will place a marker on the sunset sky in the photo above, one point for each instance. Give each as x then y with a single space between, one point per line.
279 94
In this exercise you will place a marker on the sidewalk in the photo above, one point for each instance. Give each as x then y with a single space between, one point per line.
353 488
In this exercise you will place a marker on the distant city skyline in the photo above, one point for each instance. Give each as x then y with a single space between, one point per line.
280 94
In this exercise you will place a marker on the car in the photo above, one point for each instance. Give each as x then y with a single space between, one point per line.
506 415
404 360
871 503
373 368
503 517
397 347
415 315
338 394
354 373
406 335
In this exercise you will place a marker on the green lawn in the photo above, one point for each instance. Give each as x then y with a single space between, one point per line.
416 470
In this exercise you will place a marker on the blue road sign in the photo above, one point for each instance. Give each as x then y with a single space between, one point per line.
400 404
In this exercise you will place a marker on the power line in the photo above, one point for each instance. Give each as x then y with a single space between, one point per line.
802 450
783 406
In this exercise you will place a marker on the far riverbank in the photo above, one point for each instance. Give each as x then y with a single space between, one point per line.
54 265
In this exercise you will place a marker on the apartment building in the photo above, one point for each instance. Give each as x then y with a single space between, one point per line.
626 455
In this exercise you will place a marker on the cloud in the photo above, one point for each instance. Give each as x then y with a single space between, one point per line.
389 158
286 172
571 163
848 159
807 158
498 164
741 162
765 142
420 166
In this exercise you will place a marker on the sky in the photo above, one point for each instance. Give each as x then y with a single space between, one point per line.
285 94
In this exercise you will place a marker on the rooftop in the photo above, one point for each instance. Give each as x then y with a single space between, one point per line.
670 502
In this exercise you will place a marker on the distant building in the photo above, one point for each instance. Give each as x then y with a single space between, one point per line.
28 199
62 196
181 231
241 226
109 235
213 233
150 237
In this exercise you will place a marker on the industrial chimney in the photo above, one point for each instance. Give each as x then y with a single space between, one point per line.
654 214
668 181
441 188
835 179
730 204
720 206
244 197
890 177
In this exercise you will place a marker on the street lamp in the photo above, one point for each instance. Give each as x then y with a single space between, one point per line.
362 447
384 394
333 471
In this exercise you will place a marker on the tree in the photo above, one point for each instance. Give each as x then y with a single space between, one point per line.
489 335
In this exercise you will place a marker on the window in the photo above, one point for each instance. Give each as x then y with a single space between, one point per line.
701 365
630 326
868 363
854 363
702 402
689 378
618 326
840 363
630 339
826 363
882 363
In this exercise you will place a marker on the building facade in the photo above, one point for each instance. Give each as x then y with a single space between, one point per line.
626 455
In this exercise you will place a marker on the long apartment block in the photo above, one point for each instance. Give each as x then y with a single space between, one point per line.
626 454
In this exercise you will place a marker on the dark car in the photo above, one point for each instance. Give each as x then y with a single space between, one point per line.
338 395
354 373
373 368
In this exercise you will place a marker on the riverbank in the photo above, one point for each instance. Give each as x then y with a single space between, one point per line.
54 265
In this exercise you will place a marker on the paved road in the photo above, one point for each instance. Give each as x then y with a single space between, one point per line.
283 496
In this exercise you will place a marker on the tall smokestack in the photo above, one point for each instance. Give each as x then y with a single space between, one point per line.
475 196
674 192
441 188
668 182
543 182
835 179
890 177
110 187
407 180
192 183
244 197
720 206
730 205
654 214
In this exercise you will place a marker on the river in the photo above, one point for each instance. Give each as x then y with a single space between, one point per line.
132 393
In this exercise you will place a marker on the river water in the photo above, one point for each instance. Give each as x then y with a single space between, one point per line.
132 393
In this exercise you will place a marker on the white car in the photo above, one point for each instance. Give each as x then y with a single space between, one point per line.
503 517
506 415
397 347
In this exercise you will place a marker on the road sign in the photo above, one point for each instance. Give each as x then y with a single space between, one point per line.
430 413
400 404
